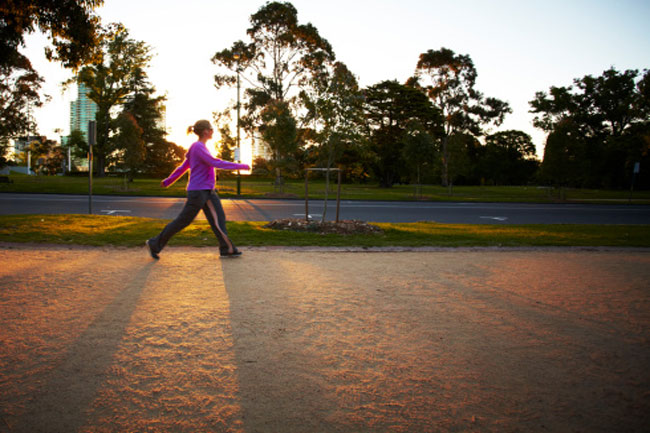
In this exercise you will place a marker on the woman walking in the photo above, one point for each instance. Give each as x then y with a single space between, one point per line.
200 193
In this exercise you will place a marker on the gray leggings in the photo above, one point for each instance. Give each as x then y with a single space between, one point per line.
205 199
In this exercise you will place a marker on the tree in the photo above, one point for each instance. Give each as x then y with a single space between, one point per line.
70 24
448 80
73 29
53 162
564 155
114 76
147 111
37 152
390 109
277 62
279 57
3 155
605 105
129 143
636 145
419 153
509 158
46 156
281 135
162 157
19 87
227 143
78 144
334 106
460 147
603 110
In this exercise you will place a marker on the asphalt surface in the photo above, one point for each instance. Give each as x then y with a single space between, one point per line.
376 211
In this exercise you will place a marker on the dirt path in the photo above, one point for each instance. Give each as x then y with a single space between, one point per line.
104 340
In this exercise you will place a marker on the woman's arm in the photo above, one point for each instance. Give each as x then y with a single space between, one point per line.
204 156
176 174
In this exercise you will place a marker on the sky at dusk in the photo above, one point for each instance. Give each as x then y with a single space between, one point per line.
518 47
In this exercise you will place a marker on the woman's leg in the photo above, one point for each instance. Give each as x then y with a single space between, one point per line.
195 202
217 218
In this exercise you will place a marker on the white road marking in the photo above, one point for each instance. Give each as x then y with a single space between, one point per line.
114 211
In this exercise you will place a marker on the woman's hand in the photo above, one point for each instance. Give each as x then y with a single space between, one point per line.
162 184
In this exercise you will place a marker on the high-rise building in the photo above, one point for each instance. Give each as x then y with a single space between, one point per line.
82 111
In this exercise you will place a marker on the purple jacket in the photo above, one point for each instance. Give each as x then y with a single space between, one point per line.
201 165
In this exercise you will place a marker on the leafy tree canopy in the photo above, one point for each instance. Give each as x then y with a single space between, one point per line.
277 61
19 90
597 129
599 106
393 110
70 24
279 129
334 111
128 141
449 80
390 103
118 72
516 143
508 158
73 29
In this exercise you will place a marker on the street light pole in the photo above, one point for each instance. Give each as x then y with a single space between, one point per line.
237 56
92 140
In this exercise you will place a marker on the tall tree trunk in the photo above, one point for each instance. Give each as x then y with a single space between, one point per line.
279 184
445 161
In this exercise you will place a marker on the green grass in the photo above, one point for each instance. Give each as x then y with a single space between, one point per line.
259 188
130 231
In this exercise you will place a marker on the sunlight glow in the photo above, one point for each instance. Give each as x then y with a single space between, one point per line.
246 156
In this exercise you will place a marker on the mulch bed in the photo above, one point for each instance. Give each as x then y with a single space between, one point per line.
344 227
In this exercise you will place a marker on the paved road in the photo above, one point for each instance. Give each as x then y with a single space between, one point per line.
267 210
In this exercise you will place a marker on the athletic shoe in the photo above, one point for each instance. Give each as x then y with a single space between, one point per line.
235 253
153 254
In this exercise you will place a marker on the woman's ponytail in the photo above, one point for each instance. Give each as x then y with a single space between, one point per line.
199 127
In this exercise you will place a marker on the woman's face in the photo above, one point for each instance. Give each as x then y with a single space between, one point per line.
206 134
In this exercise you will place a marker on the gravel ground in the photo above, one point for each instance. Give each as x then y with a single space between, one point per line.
313 340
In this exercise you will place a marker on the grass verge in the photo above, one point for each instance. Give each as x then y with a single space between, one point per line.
101 230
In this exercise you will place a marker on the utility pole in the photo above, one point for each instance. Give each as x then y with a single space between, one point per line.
237 57
92 138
